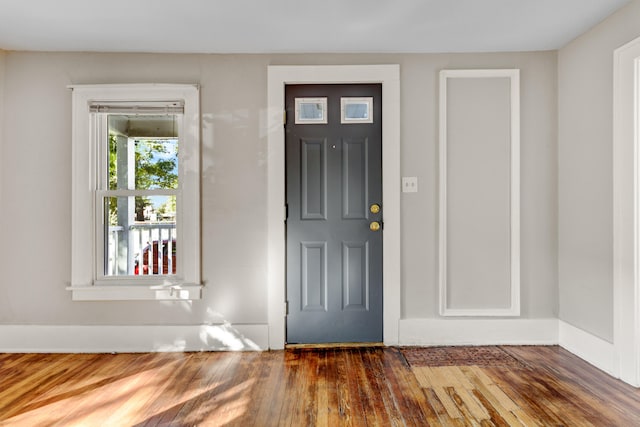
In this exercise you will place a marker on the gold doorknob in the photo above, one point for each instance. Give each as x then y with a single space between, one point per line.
374 226
375 208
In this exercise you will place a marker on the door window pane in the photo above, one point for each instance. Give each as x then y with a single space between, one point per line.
311 111
356 110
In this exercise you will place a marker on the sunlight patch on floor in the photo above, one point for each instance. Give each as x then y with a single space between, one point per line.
120 402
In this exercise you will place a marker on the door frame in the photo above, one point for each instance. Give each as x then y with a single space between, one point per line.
278 77
626 212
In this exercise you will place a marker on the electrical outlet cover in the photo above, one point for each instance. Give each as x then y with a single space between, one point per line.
409 184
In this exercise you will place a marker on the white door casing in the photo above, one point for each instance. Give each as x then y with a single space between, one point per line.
278 77
626 212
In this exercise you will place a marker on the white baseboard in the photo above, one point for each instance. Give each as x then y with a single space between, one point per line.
588 347
435 332
131 339
422 332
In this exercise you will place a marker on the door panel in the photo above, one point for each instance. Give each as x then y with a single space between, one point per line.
354 183
313 174
334 260
355 275
314 276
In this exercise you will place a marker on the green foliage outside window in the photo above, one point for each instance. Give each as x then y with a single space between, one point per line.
155 167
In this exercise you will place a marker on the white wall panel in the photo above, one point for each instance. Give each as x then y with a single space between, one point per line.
480 192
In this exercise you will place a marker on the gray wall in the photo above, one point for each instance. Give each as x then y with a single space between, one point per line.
538 178
2 62
36 198
585 105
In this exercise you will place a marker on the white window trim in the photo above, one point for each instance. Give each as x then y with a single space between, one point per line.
83 236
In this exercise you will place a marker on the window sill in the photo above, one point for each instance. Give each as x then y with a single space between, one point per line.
174 292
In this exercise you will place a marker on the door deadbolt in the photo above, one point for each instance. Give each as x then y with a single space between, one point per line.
375 208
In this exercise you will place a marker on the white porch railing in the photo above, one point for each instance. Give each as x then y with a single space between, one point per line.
143 248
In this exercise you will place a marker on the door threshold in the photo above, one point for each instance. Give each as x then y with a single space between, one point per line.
334 345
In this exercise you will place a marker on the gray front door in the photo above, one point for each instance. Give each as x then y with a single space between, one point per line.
334 204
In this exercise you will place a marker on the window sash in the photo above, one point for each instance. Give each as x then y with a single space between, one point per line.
101 234
100 127
100 122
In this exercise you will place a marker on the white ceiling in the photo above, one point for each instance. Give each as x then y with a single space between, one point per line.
272 26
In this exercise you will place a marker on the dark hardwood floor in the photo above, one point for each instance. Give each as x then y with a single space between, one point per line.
545 386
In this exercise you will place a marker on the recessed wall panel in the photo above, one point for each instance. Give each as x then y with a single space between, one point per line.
479 195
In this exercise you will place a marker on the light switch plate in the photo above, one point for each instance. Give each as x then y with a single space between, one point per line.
409 184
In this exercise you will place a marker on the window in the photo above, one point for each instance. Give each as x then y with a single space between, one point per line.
356 110
135 217
311 111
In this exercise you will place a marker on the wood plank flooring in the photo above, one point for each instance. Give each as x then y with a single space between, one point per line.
309 387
